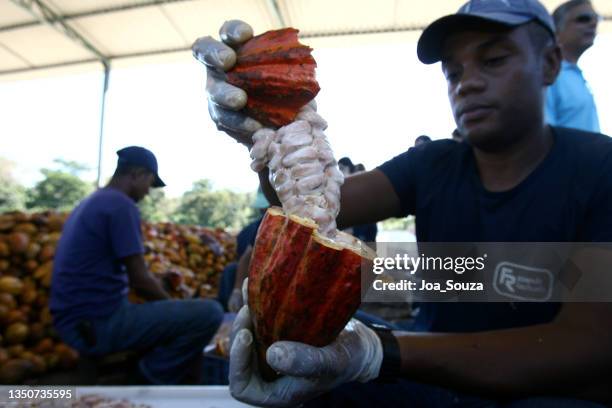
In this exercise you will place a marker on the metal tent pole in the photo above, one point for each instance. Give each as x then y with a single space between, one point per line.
102 113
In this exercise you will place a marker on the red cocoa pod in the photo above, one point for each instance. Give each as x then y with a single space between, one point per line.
302 286
278 75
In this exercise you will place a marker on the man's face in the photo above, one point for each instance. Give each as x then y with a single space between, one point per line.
141 184
494 85
579 28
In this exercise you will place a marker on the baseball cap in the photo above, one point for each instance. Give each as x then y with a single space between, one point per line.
139 156
508 13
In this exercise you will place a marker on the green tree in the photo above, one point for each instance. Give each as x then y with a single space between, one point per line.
12 194
59 189
398 224
72 167
214 208
156 207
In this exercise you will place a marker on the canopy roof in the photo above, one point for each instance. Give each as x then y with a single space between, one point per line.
42 34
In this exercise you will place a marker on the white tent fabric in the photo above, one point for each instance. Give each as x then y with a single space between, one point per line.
122 29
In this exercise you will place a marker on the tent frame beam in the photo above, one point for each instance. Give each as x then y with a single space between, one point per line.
46 15
90 13
322 34
184 49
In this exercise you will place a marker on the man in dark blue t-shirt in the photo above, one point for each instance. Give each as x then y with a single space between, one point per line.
99 257
510 179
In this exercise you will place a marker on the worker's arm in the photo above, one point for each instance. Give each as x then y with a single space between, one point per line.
565 357
141 280
364 198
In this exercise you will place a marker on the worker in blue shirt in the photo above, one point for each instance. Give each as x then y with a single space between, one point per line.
569 101
99 258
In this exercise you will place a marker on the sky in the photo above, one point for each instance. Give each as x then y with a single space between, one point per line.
375 95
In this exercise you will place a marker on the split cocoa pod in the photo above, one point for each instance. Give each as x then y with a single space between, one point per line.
303 286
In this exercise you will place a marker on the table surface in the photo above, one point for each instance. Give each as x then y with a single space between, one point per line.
153 396
169 396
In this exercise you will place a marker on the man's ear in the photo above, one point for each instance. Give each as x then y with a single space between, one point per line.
551 64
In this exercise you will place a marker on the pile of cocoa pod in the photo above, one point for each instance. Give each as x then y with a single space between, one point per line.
189 258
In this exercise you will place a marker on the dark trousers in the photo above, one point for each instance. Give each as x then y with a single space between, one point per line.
174 331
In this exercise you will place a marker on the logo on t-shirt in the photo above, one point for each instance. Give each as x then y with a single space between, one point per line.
522 282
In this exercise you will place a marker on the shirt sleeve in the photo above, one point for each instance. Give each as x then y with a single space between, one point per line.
125 233
401 173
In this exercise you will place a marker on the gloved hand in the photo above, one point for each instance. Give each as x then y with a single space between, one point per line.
356 355
225 100
235 301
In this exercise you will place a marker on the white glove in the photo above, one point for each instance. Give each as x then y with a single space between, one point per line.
356 355
235 301
225 100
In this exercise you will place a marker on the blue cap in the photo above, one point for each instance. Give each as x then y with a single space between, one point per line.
508 13
139 156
